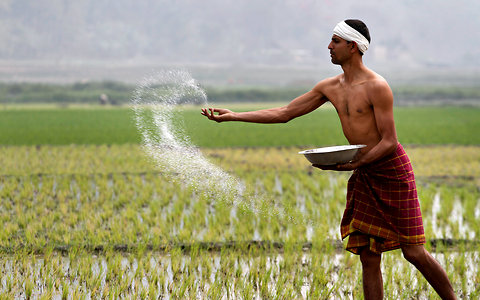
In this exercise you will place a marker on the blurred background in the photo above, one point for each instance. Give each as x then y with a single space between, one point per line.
225 42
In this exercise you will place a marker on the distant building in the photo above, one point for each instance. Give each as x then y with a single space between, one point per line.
103 99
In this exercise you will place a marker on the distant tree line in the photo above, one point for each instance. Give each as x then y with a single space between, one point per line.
118 93
89 92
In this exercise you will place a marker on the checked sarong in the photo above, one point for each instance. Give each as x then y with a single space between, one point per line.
382 210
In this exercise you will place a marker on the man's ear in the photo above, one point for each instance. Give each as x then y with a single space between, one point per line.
354 47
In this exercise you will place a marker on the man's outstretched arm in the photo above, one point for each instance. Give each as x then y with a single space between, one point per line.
298 107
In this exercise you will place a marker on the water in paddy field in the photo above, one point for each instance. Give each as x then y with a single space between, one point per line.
158 102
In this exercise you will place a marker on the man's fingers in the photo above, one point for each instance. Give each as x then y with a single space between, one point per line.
210 113
206 113
326 167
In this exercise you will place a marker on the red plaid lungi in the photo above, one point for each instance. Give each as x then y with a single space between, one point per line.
382 209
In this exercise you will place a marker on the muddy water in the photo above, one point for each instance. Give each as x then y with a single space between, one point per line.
163 275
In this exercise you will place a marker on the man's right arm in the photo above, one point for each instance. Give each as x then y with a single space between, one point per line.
296 108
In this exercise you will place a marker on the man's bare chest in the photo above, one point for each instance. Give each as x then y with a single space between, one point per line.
351 103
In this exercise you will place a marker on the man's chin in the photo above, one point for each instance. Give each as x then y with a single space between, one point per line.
335 62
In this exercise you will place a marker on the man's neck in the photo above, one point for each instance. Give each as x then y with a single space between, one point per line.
353 70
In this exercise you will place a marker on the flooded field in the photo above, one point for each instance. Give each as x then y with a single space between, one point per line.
226 274
101 222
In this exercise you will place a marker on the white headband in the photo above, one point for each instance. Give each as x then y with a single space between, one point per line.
347 33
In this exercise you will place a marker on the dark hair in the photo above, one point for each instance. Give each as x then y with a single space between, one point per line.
360 27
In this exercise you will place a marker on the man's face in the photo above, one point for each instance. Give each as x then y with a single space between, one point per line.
339 50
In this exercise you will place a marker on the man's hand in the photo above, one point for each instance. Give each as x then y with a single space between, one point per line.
350 166
222 115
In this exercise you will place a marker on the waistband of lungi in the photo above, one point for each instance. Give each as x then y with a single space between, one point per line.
399 156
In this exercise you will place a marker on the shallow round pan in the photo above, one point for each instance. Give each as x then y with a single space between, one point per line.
331 155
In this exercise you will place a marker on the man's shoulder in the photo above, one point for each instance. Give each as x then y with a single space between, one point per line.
377 79
328 82
379 91
377 83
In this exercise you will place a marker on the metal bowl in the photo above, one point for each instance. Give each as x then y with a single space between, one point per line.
331 155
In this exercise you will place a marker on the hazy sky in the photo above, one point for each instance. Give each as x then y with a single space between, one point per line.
407 33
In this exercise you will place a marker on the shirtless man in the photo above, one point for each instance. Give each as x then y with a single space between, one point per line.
364 103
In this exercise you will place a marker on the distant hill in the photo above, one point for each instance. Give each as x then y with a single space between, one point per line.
404 33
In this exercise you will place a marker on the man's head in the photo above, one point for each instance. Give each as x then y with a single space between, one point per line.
360 27
353 33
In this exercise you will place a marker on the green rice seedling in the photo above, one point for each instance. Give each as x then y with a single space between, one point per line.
46 295
182 288
468 198
77 293
206 267
176 262
109 273
252 275
65 289
319 274
124 284
114 292
246 290
460 277
215 291
105 293
9 283
95 287
76 206
162 280
140 292
298 281
140 269
153 292
280 285
264 283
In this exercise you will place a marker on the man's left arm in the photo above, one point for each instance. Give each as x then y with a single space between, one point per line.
382 101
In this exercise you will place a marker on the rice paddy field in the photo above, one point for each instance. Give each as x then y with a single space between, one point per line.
87 215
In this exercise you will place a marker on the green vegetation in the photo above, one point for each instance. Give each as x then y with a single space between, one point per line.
85 214
121 93
436 92
103 221
254 94
88 92
56 126
107 125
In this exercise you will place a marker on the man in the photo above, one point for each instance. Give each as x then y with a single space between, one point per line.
383 212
